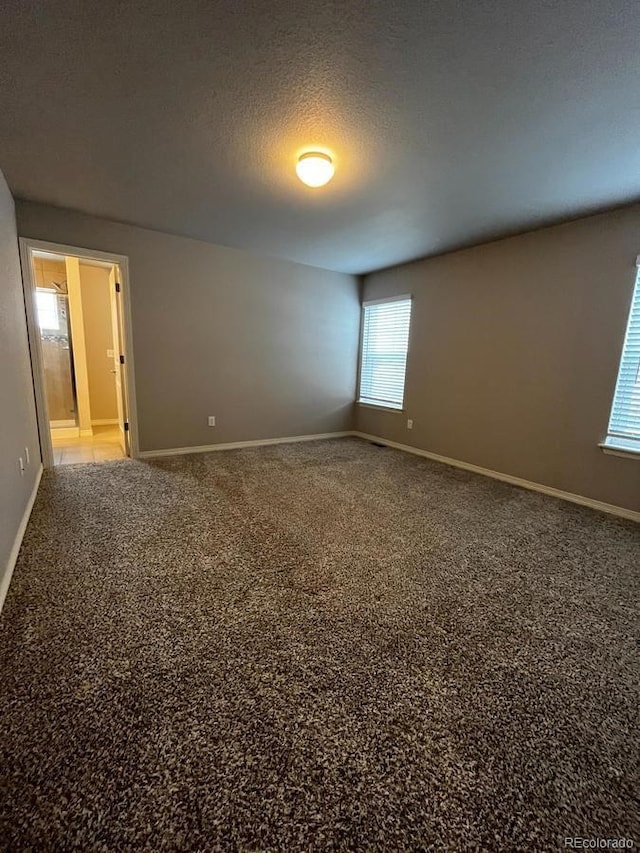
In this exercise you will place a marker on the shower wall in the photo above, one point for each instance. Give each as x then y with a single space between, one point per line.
56 343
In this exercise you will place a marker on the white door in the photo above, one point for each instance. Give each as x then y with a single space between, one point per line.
118 356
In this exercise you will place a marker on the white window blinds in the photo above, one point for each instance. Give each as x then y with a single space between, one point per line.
385 339
624 424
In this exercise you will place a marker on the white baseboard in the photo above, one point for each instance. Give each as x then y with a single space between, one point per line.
17 542
104 422
612 509
236 445
65 432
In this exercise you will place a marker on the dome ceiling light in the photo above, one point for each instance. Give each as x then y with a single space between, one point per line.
315 169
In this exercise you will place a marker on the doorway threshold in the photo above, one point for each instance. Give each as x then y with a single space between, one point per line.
102 446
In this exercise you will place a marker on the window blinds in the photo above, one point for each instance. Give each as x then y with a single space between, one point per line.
385 339
624 424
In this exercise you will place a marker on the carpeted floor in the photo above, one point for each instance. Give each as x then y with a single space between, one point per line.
320 646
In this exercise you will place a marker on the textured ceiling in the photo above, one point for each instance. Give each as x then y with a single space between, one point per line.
450 122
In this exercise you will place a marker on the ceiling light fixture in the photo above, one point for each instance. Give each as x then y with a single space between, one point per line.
315 169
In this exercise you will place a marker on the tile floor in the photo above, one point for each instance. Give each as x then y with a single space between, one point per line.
103 445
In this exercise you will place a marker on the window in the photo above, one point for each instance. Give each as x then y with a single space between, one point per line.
385 339
624 423
47 305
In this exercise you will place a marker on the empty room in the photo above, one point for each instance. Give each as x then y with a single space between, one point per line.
320 444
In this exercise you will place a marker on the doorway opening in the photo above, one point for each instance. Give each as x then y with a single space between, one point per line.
80 350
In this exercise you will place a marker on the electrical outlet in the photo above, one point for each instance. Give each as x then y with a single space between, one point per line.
21 465
409 424
26 454
211 420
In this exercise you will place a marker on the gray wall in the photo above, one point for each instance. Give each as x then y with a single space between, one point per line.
18 427
267 346
514 354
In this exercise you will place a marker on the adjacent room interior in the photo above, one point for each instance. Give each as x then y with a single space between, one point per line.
80 355
320 456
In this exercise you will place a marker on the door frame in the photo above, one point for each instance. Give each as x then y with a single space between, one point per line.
27 246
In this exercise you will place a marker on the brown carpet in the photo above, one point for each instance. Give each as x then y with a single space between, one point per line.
322 646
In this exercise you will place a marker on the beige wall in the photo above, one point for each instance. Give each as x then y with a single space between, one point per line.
267 346
18 427
96 313
514 354
47 271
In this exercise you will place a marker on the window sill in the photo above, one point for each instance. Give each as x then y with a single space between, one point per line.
378 408
626 451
